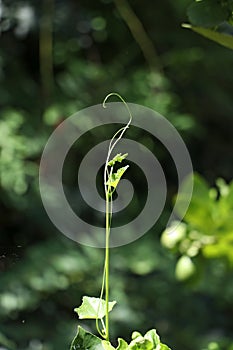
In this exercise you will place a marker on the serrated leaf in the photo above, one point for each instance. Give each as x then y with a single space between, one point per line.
115 177
118 158
220 38
85 340
93 308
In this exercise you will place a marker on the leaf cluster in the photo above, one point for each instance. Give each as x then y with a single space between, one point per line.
114 177
86 340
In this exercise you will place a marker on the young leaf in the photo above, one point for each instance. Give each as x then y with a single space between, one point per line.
115 177
122 345
85 340
93 308
107 345
150 341
118 158
141 344
153 337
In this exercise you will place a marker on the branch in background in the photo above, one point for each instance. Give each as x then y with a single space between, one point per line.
46 50
139 34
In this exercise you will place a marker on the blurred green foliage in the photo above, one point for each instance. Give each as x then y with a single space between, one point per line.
207 227
212 19
43 274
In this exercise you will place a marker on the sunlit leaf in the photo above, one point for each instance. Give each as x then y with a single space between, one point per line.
153 337
118 158
150 341
122 344
107 345
93 308
115 177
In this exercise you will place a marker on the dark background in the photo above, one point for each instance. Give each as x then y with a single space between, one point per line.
57 57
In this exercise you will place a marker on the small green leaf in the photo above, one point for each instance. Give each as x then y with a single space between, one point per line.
93 308
85 340
107 345
153 337
122 344
140 343
136 335
115 177
220 38
150 341
118 158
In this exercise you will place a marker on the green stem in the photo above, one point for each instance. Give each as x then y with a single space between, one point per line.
107 236
139 34
108 217
46 50
102 334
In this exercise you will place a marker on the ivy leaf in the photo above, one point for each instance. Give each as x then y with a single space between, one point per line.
115 177
118 158
85 340
93 308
